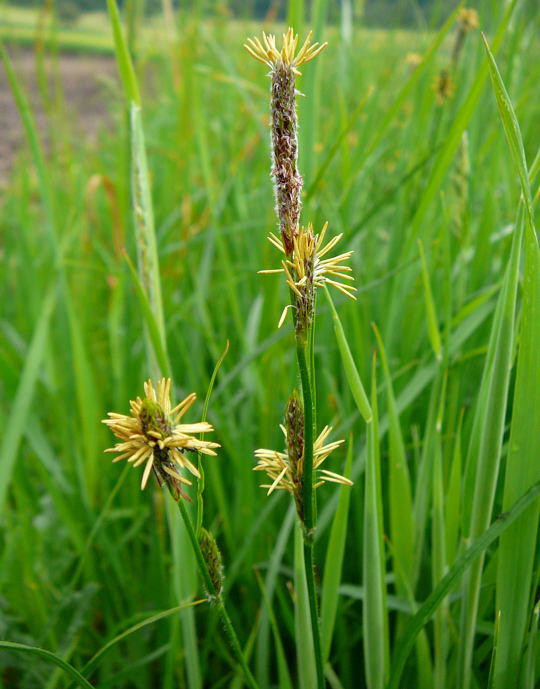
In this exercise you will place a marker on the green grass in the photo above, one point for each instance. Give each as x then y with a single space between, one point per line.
412 564
24 25
89 34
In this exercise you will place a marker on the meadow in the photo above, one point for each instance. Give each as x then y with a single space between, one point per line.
424 152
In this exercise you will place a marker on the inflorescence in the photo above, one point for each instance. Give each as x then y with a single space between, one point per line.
286 469
151 435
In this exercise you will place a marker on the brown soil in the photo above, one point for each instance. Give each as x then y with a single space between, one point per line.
77 81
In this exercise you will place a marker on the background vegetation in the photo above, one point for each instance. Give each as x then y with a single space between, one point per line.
84 555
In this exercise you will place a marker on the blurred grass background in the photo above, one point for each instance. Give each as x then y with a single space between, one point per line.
84 554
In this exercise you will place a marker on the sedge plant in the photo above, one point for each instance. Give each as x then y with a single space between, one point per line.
306 266
453 430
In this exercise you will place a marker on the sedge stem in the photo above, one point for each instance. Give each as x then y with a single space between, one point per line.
309 525
217 596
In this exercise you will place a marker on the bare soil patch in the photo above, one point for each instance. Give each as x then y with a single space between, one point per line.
76 80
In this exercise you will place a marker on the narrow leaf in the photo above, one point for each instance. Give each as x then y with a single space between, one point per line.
305 652
432 322
518 545
49 657
478 546
375 627
351 372
334 561
123 58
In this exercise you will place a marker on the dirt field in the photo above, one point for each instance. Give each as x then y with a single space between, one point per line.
82 79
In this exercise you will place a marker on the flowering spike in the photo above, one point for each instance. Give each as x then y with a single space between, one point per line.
284 65
267 52
305 270
152 436
286 469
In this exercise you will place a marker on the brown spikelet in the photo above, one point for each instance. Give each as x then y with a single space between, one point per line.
294 425
284 65
212 558
287 179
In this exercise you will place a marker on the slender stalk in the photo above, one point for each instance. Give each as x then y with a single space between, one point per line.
216 595
308 438
308 506
310 579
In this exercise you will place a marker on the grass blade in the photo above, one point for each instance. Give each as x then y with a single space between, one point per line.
485 445
159 345
375 628
283 669
518 545
477 547
400 492
531 656
351 372
396 107
453 138
36 149
305 652
432 322
334 561
96 658
49 657
25 394
511 129
143 214
125 64
295 15
263 642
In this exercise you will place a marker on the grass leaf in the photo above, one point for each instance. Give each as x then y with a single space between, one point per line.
334 561
351 372
49 657
477 547
517 547
375 627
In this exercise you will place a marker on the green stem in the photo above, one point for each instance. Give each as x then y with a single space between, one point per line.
308 439
308 507
217 596
312 596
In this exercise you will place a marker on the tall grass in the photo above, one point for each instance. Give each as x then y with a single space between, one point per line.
421 584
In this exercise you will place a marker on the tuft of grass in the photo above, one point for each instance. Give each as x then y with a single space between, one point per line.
91 576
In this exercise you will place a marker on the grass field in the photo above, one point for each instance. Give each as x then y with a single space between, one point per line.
25 25
420 583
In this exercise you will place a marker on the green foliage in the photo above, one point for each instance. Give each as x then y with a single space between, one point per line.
68 11
90 577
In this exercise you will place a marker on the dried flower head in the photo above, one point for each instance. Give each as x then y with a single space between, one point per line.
267 52
286 469
468 19
306 268
443 86
152 436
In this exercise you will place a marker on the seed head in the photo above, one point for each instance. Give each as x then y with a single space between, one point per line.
151 435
